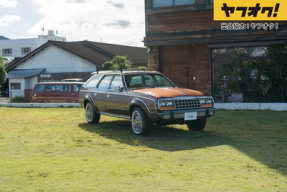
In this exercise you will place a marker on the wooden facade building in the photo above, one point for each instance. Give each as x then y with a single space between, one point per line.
183 40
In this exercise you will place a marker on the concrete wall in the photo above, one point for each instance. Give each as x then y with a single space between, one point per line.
31 82
252 106
57 60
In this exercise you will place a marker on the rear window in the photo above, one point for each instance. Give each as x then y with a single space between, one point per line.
43 88
60 88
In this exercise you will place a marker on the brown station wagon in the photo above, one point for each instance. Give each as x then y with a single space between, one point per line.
146 98
56 92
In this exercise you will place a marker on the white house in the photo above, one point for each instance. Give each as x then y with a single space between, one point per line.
54 61
20 47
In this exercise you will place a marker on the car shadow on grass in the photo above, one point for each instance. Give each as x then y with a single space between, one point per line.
273 153
165 138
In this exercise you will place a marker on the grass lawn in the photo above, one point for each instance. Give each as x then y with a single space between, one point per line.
56 150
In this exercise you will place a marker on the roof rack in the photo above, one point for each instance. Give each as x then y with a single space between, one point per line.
120 71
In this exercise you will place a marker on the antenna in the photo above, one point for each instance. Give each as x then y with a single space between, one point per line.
42 29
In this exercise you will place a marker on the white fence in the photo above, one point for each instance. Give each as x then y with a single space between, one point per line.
227 106
39 105
252 106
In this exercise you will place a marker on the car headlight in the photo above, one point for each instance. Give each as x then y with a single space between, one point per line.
202 101
161 103
208 101
165 104
169 103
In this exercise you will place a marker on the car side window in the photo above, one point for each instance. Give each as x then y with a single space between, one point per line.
76 88
60 88
43 88
105 82
94 82
117 82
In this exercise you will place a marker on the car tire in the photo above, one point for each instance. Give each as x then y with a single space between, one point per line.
196 125
140 122
92 116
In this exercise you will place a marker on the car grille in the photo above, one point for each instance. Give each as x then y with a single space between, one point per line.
187 103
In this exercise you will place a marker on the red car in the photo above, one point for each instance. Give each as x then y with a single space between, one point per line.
56 92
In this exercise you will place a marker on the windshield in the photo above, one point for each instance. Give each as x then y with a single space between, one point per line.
137 81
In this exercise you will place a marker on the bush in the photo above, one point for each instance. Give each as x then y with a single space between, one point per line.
143 67
18 99
117 63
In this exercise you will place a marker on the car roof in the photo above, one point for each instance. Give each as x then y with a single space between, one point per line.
71 79
61 82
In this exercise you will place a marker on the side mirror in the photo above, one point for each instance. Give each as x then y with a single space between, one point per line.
119 89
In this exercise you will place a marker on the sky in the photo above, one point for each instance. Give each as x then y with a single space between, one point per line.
109 21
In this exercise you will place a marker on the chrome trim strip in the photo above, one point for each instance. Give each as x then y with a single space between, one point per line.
141 97
108 114
193 97
116 108
116 93
181 115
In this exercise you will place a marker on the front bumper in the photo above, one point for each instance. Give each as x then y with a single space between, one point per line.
179 115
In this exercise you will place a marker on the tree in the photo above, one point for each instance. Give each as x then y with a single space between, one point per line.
117 63
275 69
2 71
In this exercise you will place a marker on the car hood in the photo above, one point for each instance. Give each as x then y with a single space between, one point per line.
169 92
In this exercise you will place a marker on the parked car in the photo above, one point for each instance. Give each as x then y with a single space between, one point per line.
56 92
72 80
145 98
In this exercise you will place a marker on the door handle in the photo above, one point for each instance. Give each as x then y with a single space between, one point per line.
108 95
73 94
95 94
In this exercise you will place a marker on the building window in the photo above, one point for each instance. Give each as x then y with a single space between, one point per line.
211 1
170 3
25 50
15 86
233 72
7 51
